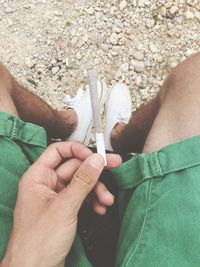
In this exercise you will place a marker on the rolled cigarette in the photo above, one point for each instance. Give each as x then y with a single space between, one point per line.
99 137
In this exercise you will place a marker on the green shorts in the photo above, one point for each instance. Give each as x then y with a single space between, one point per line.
159 203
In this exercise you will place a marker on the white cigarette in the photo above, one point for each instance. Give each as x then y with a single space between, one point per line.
99 137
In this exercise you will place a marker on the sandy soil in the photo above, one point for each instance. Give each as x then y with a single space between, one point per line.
49 44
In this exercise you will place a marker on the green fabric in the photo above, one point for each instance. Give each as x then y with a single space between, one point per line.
159 199
160 219
20 145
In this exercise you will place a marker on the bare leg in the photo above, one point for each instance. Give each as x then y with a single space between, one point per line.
172 116
6 102
18 101
178 116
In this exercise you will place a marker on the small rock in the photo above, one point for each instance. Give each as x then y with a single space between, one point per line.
73 32
114 38
138 80
85 38
117 29
141 3
74 40
129 31
173 10
138 66
189 15
53 61
173 63
10 22
104 47
90 10
189 52
29 62
55 70
122 5
78 56
113 10
9 10
114 53
58 13
150 23
153 48
197 15
138 55
118 75
163 11
101 25
124 67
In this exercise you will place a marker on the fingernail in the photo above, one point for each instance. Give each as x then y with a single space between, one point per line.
109 195
96 160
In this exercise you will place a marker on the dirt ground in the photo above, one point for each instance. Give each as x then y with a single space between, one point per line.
49 44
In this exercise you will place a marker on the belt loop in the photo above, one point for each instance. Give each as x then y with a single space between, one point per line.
155 166
14 129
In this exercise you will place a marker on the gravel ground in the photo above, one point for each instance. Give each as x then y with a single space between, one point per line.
49 44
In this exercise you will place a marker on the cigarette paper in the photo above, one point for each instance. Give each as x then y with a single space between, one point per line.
99 137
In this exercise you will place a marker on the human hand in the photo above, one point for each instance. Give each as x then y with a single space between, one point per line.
50 195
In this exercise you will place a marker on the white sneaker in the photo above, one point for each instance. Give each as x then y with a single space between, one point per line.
118 109
81 103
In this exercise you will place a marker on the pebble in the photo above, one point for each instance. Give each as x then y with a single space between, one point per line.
141 3
85 38
113 10
189 52
10 22
197 15
124 67
55 70
117 29
114 38
153 48
30 63
138 55
189 14
74 40
101 25
9 10
173 10
138 80
122 5
138 66
90 10
135 41
150 23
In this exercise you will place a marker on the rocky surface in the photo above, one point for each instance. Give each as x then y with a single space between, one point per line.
49 44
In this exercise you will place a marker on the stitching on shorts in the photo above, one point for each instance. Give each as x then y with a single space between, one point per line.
156 170
14 130
143 226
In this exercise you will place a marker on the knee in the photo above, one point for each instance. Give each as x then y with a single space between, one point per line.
6 80
183 78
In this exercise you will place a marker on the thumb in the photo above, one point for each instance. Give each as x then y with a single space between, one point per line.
84 181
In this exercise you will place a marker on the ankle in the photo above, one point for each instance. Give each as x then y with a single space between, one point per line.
118 137
70 121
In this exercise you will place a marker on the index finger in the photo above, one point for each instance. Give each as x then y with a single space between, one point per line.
57 152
